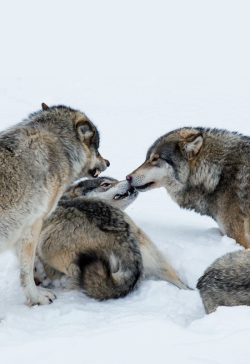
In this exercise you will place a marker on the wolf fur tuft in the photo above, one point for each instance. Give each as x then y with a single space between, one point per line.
97 279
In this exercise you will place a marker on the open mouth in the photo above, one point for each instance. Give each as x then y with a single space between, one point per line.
94 172
130 192
140 188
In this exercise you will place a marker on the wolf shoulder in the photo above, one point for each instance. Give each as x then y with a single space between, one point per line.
30 159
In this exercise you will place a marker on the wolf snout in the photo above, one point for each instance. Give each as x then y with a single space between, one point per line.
129 178
101 166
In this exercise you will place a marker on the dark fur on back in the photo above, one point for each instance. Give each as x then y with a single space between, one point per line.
106 217
226 282
95 275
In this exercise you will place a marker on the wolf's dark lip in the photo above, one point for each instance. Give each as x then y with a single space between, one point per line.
130 191
139 188
93 173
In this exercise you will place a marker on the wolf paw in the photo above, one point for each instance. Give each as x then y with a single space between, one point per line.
45 298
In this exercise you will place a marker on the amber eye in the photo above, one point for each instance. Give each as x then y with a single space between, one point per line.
105 184
155 159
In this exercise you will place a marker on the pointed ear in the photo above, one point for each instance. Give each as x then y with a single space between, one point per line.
85 130
44 106
191 146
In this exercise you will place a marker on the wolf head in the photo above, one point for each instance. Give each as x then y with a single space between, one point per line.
118 193
79 135
168 161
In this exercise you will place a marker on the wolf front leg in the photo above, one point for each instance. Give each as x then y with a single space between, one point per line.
26 256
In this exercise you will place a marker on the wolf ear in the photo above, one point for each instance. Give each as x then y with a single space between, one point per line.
191 146
85 130
44 106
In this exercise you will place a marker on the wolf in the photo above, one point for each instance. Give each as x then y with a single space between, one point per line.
39 159
90 239
226 282
205 170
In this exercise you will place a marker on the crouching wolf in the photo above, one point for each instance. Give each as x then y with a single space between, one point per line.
90 239
39 158
226 282
206 170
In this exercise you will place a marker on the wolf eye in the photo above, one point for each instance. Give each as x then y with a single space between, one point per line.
105 184
155 159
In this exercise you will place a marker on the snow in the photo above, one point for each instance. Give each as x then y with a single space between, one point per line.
158 323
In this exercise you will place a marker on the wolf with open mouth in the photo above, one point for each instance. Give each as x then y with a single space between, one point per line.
90 239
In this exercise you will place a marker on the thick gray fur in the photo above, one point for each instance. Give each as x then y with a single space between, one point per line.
90 239
226 282
205 170
39 158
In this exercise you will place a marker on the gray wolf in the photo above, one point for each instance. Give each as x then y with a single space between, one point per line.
39 158
205 170
226 282
90 239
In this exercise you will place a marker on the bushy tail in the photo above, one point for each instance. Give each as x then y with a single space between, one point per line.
99 279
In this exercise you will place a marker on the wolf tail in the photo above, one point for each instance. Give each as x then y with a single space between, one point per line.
103 277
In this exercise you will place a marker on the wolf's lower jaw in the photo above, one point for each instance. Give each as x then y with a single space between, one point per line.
130 191
140 188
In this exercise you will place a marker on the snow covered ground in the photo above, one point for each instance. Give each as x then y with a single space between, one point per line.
158 323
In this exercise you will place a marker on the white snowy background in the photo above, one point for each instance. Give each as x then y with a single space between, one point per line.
138 70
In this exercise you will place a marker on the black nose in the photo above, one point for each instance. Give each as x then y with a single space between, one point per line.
129 179
107 162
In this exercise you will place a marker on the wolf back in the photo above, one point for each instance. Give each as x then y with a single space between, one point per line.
226 282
